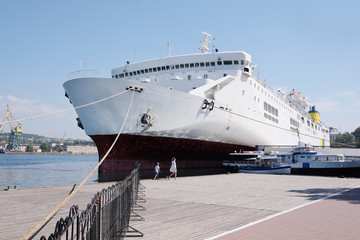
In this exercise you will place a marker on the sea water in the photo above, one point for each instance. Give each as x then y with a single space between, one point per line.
39 170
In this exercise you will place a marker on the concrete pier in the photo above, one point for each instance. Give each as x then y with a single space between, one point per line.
23 209
201 207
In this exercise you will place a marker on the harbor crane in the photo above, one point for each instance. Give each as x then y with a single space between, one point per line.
15 128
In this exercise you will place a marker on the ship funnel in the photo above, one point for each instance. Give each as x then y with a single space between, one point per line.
315 115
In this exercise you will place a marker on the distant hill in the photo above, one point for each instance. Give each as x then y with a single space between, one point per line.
27 135
35 138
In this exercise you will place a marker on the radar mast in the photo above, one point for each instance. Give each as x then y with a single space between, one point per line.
204 43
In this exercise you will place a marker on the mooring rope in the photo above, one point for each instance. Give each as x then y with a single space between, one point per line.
52 214
69 109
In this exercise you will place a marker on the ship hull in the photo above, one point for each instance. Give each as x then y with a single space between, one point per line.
335 172
193 156
162 123
319 168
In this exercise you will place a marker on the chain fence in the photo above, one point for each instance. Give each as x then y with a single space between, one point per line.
108 214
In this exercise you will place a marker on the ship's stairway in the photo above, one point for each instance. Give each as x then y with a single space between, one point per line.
209 90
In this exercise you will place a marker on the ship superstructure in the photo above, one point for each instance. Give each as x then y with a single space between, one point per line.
198 107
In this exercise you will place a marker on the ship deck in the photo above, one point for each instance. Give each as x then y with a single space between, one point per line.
233 206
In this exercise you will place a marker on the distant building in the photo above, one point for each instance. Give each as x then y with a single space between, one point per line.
81 150
334 133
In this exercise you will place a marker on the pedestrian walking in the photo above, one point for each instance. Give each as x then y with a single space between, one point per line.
157 171
173 169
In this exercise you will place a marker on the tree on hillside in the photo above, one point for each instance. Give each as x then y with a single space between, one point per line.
45 147
345 138
30 148
356 133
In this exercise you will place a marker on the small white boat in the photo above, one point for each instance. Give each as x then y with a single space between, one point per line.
259 163
305 160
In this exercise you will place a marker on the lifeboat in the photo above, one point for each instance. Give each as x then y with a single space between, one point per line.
298 98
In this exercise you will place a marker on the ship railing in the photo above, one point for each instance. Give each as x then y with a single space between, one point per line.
108 214
278 94
83 74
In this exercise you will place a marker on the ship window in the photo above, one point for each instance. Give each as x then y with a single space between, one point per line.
212 63
242 62
181 65
116 76
131 74
163 68
191 65
186 65
167 67
225 74
207 64
172 67
138 72
159 68
202 64
150 70
228 62
126 74
121 75
177 66
219 63
236 62
146 70
189 77
142 71
205 76
154 69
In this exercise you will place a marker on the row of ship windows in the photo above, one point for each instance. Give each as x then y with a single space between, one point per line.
271 118
270 96
181 66
270 109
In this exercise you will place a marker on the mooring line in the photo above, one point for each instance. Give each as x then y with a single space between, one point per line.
69 109
36 229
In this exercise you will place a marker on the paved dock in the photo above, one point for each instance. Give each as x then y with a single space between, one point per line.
234 206
23 209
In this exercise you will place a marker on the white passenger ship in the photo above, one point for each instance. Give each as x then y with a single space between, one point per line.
196 107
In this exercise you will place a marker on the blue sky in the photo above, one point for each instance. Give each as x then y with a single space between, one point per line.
310 46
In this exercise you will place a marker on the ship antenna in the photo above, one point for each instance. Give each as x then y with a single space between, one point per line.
204 43
168 45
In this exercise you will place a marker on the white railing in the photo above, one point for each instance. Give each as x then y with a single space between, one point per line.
83 74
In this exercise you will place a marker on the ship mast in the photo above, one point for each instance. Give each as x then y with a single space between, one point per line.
204 43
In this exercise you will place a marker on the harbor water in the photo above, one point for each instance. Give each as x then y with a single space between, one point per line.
39 170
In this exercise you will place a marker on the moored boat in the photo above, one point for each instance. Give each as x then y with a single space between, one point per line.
305 160
256 163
